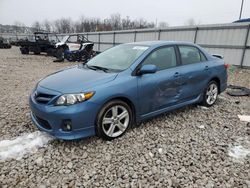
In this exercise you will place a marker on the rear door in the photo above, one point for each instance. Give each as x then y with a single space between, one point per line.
195 71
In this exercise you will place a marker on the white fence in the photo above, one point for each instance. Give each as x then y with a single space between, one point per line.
230 40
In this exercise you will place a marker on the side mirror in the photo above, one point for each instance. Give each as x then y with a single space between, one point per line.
147 69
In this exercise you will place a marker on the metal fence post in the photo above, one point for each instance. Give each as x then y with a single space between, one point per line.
245 47
159 34
99 41
114 38
135 36
195 34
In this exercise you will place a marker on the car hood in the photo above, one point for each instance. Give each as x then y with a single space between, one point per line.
76 79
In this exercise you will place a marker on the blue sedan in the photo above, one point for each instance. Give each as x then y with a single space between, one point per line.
124 85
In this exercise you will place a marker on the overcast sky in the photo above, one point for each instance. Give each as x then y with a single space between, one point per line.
174 12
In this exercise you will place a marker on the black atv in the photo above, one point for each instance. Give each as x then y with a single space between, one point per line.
41 42
4 43
82 55
75 47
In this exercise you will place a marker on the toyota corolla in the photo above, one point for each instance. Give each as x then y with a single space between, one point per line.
124 85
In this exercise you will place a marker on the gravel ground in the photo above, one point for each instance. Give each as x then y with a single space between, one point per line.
189 147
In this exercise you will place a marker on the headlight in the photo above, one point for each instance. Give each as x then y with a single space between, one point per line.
69 99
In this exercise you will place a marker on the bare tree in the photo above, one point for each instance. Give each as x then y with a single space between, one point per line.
64 25
79 25
85 24
115 21
47 25
19 27
163 25
36 26
190 22
126 23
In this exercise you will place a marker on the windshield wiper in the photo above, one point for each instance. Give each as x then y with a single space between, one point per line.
94 67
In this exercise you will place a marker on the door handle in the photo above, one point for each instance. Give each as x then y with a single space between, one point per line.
176 74
206 68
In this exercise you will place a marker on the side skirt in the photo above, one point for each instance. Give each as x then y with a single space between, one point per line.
170 108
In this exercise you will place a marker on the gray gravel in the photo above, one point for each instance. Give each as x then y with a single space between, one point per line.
185 148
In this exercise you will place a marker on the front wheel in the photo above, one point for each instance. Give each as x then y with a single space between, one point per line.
211 94
24 50
113 120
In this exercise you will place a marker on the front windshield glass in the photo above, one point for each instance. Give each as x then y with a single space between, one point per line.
119 57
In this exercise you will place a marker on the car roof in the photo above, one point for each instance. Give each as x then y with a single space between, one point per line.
242 20
161 43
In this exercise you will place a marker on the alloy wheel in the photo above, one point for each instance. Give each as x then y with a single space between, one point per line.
115 121
211 93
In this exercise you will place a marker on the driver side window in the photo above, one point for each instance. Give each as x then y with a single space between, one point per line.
163 58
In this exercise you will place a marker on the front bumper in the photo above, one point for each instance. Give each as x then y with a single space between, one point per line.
49 118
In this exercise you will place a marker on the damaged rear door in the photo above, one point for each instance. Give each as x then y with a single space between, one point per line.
195 70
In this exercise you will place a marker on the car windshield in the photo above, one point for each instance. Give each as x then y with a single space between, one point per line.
118 58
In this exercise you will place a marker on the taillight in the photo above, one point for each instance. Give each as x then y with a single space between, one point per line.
226 66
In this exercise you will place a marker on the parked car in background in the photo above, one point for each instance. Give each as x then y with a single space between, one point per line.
73 42
75 47
123 85
41 42
4 43
245 20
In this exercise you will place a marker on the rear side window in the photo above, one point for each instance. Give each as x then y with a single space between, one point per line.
190 55
163 58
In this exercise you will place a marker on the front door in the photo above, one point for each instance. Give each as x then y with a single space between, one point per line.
161 89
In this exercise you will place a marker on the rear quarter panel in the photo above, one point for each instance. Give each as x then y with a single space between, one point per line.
218 70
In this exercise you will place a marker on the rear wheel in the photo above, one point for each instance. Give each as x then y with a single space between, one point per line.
50 52
37 50
211 94
113 120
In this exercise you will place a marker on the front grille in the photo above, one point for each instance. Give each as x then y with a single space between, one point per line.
43 98
45 124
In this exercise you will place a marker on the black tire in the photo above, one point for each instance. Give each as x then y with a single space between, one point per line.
70 57
37 51
60 53
104 111
205 101
50 52
24 50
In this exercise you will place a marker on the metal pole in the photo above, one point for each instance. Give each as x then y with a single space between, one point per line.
99 41
245 47
195 34
135 36
159 34
114 39
156 37
241 8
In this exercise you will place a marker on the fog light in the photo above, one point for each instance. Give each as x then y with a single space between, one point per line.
67 125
